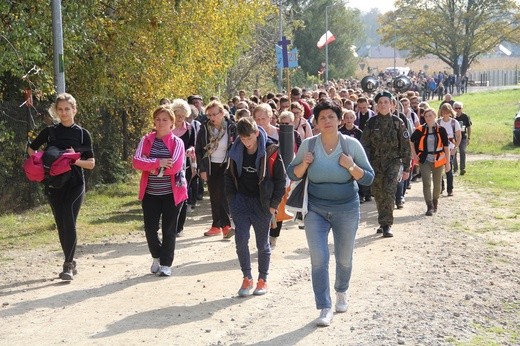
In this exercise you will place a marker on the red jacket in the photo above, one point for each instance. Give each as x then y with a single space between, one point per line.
33 165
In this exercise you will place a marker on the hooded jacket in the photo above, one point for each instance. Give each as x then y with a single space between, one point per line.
272 188
34 170
147 165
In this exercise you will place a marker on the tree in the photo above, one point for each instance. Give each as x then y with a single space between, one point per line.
449 29
344 23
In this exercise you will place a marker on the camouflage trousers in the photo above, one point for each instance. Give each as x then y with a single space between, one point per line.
383 189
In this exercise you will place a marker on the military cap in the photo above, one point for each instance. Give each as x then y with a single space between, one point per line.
383 94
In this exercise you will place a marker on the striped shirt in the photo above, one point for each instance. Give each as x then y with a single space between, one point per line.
159 186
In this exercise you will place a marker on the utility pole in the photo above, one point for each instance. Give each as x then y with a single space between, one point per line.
57 43
280 70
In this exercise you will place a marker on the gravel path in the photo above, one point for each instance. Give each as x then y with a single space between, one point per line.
444 279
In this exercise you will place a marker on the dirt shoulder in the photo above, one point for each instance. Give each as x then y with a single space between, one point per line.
440 279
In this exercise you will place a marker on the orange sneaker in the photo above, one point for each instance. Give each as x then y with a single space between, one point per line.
213 231
261 288
247 286
228 232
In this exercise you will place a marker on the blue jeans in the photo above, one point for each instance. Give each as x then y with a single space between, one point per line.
344 221
247 211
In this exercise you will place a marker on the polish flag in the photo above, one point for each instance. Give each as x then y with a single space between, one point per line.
327 38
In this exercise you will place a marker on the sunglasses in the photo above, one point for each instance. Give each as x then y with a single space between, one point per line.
457 108
285 123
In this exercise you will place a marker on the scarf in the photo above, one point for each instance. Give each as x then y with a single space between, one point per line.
215 137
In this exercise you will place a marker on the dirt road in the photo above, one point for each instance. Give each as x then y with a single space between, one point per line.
440 279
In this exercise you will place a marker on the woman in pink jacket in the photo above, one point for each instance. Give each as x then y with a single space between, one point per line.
160 156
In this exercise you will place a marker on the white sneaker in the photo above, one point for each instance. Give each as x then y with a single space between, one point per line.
341 302
165 271
325 318
155 265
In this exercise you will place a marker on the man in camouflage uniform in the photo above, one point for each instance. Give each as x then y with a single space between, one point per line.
386 142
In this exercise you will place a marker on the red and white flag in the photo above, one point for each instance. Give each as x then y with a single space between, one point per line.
326 39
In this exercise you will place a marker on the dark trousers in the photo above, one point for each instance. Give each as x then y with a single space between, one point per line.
184 205
65 204
217 196
155 207
247 212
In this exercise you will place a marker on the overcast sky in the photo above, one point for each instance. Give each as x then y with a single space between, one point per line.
367 5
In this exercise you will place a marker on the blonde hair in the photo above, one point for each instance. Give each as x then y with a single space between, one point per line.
180 105
447 107
63 97
263 107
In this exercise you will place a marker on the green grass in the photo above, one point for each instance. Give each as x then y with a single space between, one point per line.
492 115
108 210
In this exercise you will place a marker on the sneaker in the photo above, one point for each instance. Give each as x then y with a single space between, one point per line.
247 286
68 271
165 271
228 232
380 230
213 231
272 241
325 318
341 302
156 264
261 288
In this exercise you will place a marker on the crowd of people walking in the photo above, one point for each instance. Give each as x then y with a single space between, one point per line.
347 146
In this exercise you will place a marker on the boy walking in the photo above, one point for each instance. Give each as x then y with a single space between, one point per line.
255 184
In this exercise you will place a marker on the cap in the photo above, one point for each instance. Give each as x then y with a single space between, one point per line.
383 94
194 97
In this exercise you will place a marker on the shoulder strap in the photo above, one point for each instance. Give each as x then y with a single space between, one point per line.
272 160
343 142
312 143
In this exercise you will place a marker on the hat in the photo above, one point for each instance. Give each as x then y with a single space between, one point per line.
192 98
383 94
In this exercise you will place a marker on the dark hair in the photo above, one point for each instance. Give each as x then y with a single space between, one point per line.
246 126
327 104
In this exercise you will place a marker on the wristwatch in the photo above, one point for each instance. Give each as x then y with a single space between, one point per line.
351 168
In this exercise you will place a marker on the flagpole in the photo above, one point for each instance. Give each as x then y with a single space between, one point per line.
326 45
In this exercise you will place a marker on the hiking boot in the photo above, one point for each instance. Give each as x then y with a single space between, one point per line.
462 171
341 302
387 232
429 212
325 318
164 271
228 232
435 205
213 231
68 271
261 288
272 241
245 289
156 264
450 193
380 229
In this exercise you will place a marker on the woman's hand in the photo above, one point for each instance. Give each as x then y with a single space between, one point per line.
447 167
191 153
308 158
167 163
345 161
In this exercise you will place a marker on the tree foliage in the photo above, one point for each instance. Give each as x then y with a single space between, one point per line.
448 29
343 22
